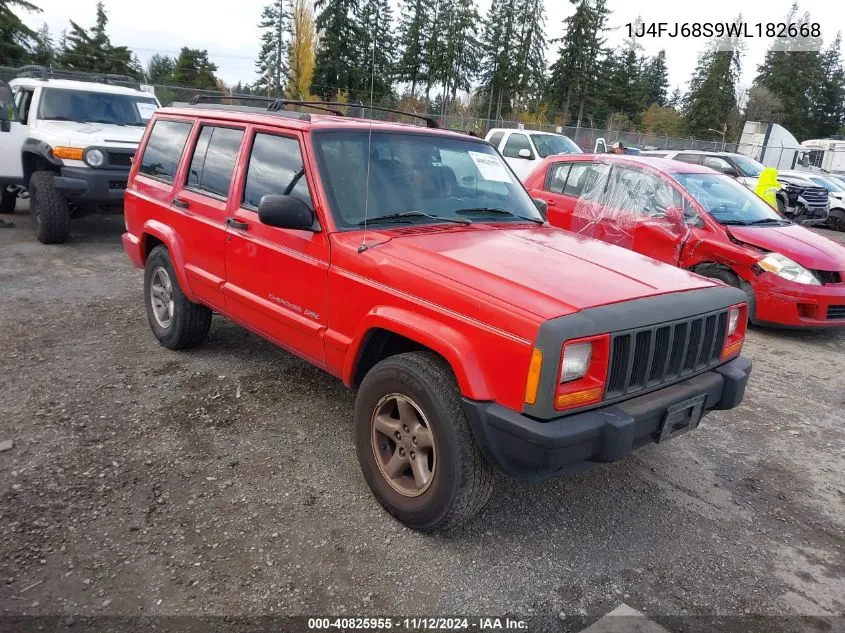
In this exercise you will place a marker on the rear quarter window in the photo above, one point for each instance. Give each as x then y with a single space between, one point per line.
164 148
496 139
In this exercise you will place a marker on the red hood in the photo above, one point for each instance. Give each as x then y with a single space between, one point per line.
546 271
809 249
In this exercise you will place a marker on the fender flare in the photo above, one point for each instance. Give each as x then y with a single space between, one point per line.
456 348
173 242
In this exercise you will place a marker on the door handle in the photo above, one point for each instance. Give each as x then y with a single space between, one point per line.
237 224
182 204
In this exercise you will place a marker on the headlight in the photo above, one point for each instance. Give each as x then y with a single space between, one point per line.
785 268
575 362
94 157
733 320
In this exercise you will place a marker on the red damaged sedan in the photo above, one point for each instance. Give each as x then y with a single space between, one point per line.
704 221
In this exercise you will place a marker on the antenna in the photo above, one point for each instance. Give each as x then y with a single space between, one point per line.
363 246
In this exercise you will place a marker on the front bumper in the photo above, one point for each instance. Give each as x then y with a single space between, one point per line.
525 448
88 187
787 304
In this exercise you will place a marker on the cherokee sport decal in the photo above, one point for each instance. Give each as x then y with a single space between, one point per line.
309 313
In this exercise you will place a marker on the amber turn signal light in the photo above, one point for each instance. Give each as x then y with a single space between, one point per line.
70 153
532 384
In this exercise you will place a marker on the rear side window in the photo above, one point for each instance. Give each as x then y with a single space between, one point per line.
496 139
275 168
557 177
515 143
214 160
584 178
164 149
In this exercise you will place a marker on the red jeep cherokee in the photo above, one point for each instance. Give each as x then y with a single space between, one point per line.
412 264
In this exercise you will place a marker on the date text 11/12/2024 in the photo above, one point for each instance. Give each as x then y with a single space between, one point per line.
724 29
417 624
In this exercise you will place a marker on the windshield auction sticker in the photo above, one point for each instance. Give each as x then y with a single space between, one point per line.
490 167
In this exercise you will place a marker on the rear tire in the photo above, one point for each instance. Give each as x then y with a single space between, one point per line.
459 483
49 210
8 200
176 322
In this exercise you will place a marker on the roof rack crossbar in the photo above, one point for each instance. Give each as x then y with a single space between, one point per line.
429 122
211 98
44 72
279 104
302 116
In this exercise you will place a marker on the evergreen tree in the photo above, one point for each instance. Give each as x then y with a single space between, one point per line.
376 68
16 38
529 64
160 69
44 53
711 98
194 69
794 75
497 43
336 67
272 63
303 40
675 99
576 73
91 49
656 80
829 106
624 91
459 53
412 41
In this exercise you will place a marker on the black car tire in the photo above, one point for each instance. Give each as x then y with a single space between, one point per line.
48 208
462 479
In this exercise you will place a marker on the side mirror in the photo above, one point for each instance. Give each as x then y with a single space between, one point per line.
526 153
805 160
5 126
730 171
286 212
542 207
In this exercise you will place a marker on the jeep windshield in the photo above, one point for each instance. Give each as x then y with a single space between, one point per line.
728 202
440 179
85 106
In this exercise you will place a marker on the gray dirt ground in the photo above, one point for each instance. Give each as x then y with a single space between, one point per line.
224 480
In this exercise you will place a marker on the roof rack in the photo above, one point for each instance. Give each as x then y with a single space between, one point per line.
43 72
275 104
302 116
429 122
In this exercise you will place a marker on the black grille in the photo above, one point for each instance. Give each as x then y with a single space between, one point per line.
648 357
828 276
836 312
117 184
121 159
815 195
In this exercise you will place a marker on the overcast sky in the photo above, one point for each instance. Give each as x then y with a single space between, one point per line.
229 33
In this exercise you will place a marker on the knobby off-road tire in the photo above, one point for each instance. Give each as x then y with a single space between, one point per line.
48 208
8 200
405 402
176 322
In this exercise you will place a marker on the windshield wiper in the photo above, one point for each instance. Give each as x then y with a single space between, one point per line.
493 210
405 215
731 222
770 221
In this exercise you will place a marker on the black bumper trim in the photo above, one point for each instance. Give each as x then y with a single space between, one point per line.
525 448
87 186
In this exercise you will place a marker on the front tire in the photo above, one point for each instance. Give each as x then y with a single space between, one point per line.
732 279
49 210
8 200
414 444
176 322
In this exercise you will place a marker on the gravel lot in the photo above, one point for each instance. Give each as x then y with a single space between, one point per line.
224 481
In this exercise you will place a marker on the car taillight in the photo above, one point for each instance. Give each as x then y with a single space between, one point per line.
735 334
582 372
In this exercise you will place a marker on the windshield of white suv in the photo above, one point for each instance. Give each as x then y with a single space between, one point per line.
417 178
727 201
748 166
550 144
85 106
830 185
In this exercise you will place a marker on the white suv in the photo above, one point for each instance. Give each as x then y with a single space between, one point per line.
68 144
523 150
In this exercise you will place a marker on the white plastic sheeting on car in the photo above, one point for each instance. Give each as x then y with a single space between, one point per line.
626 205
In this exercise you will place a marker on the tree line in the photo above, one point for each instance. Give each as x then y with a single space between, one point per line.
442 57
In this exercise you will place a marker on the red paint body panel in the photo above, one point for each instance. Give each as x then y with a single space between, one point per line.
777 301
475 294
